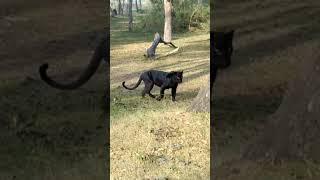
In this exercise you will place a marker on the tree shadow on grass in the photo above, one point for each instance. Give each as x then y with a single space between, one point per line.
130 102
200 66
201 69
307 30
268 17
273 45
47 119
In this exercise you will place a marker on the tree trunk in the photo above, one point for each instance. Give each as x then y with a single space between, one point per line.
151 51
293 131
140 4
119 7
137 6
168 20
130 15
201 103
123 6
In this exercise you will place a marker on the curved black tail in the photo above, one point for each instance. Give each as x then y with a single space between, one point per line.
134 87
99 54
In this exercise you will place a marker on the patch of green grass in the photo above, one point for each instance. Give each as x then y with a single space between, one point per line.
124 103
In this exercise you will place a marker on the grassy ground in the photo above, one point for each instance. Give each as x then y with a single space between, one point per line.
272 38
46 133
157 139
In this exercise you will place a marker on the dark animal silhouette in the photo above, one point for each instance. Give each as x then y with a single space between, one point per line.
101 52
220 52
162 79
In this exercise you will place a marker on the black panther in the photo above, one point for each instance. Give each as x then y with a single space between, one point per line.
221 51
164 80
101 52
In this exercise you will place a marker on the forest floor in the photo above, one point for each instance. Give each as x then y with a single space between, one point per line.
152 139
271 39
47 133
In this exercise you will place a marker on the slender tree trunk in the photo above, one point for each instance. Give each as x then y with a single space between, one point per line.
119 7
130 15
140 4
137 6
168 20
124 10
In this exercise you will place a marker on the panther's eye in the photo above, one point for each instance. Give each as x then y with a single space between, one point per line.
217 51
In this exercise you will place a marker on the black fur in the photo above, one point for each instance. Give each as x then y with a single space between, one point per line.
164 80
101 52
221 51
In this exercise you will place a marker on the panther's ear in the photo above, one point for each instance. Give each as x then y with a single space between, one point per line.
170 74
230 34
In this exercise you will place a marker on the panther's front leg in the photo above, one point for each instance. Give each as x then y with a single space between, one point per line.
161 93
173 93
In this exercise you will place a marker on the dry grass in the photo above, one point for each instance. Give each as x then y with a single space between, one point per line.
173 144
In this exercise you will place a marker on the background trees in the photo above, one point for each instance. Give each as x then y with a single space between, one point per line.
183 13
130 26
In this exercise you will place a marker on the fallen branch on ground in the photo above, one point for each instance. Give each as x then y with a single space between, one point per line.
151 51
176 50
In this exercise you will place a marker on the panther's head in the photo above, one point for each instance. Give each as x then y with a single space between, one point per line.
176 76
222 48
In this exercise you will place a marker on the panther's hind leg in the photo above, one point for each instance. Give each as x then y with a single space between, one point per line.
149 90
148 85
143 94
162 89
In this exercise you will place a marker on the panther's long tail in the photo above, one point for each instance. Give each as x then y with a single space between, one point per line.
134 87
100 53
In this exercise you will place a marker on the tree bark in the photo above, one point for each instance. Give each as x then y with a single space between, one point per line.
140 4
151 51
137 6
130 16
293 131
201 102
119 7
123 6
168 20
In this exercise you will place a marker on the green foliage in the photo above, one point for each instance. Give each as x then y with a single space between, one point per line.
153 19
185 15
